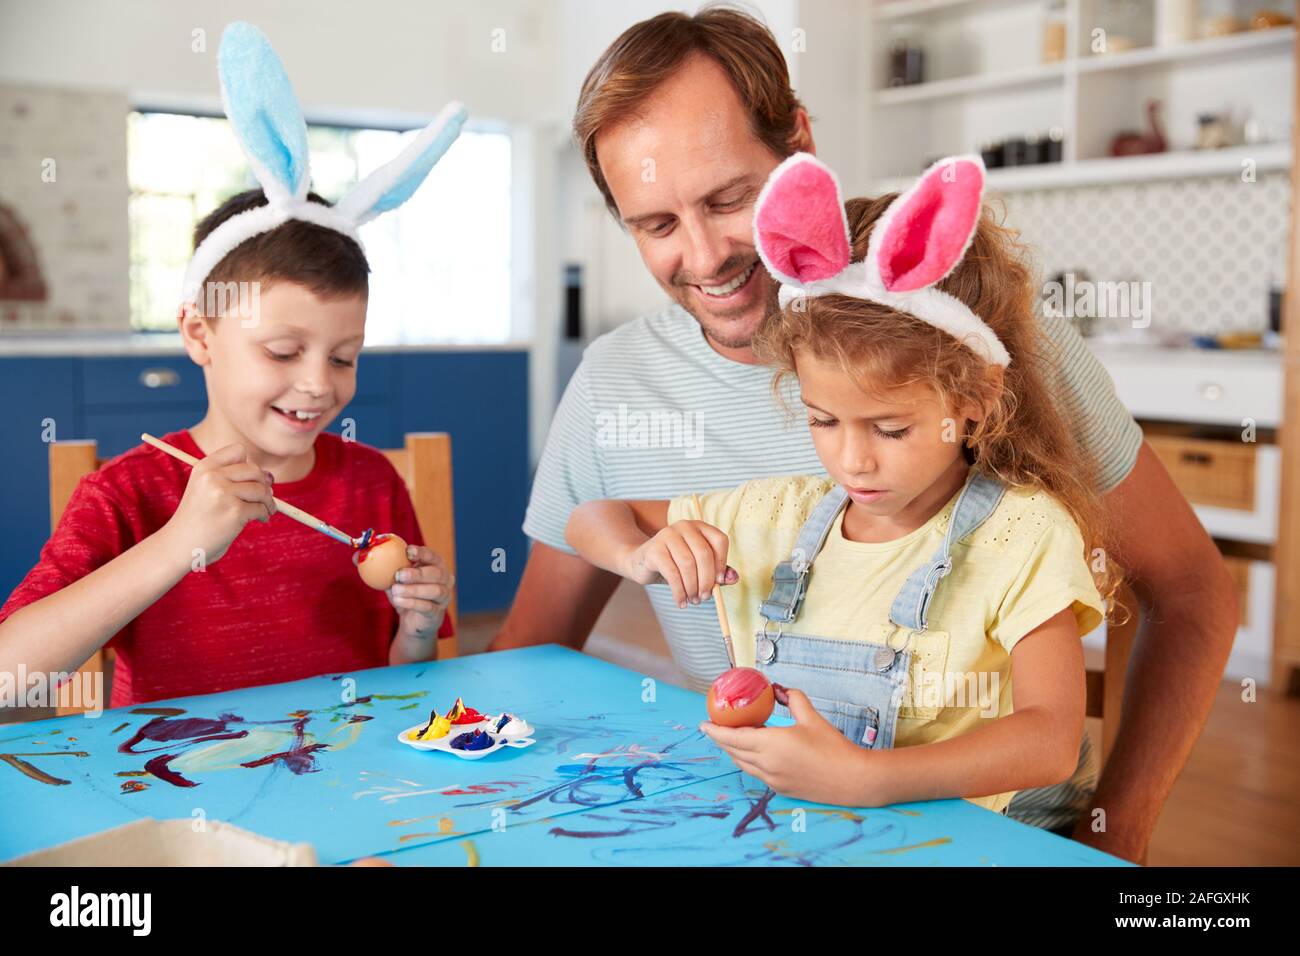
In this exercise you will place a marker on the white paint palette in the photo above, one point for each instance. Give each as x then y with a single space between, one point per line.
408 737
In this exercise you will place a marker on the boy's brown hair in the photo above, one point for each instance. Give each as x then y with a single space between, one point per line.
650 52
328 263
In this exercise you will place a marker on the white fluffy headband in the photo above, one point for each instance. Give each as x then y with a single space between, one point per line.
264 113
801 232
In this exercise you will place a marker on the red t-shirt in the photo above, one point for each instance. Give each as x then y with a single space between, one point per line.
283 603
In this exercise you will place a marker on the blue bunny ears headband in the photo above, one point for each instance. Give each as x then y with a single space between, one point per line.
268 123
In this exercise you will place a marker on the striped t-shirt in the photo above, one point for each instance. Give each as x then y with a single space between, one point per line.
654 412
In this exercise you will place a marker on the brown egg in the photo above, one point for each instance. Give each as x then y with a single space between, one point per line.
740 697
383 559
370 861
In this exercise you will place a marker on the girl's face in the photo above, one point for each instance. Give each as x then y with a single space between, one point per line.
886 454
279 380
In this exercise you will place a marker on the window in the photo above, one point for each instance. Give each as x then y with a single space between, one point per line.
440 264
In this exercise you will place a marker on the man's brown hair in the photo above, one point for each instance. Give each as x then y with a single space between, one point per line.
328 263
650 52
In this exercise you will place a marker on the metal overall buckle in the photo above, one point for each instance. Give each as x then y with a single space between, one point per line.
885 655
765 646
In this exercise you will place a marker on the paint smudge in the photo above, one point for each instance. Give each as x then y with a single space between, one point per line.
297 758
132 773
938 841
445 825
159 711
158 766
119 727
758 809
133 786
471 852
163 729
37 774
406 838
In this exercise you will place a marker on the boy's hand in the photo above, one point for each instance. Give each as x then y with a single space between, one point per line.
809 761
421 593
689 556
224 492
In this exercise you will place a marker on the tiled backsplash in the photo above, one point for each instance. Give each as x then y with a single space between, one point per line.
1209 246
77 223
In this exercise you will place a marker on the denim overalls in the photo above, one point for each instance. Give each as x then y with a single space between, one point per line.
859 685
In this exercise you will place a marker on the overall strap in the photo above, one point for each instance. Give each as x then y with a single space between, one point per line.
978 499
790 578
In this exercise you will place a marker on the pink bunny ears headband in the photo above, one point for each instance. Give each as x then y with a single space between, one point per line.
802 235
267 121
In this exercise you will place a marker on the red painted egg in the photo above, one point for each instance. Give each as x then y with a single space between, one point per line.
385 556
741 697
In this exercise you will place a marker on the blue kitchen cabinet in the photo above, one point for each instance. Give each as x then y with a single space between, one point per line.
481 400
36 394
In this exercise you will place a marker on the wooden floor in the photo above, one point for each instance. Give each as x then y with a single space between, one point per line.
1237 802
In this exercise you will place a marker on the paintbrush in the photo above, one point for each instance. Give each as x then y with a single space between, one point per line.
283 507
723 624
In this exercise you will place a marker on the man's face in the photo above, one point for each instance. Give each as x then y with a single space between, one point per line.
280 382
685 172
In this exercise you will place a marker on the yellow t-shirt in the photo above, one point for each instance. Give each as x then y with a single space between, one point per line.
1023 565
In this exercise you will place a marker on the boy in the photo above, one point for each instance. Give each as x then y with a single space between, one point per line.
186 573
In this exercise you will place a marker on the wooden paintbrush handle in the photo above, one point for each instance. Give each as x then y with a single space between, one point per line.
292 511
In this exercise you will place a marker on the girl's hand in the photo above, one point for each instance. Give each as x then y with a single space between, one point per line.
809 761
689 556
421 593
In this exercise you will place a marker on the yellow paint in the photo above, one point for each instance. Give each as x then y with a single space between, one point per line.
848 815
413 836
438 729
444 825
940 841
471 852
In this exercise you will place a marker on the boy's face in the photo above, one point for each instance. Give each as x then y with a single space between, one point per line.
885 452
279 379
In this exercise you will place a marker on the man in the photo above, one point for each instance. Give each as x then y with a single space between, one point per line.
681 121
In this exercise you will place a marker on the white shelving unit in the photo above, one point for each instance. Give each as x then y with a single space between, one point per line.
988 83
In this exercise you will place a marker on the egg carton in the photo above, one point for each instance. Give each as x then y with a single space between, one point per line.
408 736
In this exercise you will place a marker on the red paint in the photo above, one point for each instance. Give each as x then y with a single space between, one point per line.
460 714
740 697
374 543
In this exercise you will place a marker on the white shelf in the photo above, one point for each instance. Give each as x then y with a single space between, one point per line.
1278 39
1127 169
1240 45
967 85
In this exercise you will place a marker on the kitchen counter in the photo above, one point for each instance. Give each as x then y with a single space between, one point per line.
17 344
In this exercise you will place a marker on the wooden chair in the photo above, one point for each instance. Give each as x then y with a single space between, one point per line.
424 463
1106 684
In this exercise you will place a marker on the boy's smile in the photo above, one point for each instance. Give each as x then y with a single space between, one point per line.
275 382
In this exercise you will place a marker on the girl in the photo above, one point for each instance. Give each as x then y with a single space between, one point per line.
945 553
